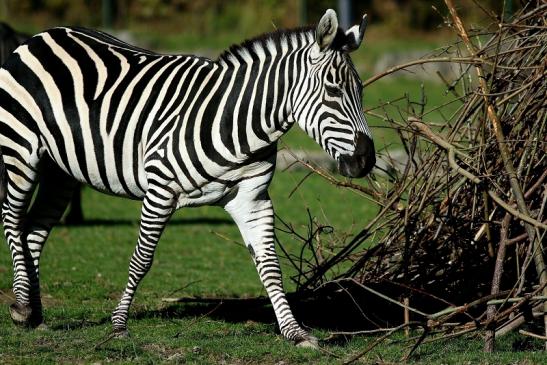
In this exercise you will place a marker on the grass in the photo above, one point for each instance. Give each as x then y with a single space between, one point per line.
84 270
213 341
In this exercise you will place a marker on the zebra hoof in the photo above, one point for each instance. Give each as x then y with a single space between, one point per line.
310 342
120 333
20 314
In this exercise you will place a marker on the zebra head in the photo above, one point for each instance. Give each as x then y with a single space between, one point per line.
332 113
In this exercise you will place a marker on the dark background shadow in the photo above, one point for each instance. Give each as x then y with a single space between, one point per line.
333 310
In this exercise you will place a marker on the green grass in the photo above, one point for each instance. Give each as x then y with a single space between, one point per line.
84 270
205 341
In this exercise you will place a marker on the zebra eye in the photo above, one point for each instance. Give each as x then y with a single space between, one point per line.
333 90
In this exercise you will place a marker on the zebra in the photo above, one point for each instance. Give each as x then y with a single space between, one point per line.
78 105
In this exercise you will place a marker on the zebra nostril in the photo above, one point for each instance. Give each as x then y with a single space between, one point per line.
361 161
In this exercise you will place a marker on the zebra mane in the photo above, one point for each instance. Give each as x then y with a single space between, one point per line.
277 36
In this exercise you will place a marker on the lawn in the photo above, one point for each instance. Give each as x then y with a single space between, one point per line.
84 270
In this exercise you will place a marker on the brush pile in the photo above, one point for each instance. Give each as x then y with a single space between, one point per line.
464 220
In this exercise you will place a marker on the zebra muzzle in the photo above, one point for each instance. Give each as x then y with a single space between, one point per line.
361 162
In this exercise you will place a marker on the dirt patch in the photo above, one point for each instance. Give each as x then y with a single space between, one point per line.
6 296
167 353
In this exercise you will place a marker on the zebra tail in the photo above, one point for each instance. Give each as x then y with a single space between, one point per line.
3 178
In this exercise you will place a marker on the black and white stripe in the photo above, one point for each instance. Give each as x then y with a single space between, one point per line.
170 130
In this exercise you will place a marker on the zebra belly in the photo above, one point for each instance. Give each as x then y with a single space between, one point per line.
106 176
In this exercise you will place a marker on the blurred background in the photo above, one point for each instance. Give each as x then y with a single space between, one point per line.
176 24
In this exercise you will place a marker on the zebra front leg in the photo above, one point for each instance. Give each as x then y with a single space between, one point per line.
254 217
156 211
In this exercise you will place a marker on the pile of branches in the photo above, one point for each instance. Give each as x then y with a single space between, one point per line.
460 233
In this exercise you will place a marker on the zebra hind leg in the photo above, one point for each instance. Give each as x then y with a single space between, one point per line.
55 190
157 208
18 180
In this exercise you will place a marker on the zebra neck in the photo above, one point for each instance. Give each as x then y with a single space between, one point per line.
262 79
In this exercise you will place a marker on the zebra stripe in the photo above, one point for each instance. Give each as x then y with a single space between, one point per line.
170 130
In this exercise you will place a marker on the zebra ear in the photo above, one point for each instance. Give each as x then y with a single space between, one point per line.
354 35
326 29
